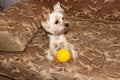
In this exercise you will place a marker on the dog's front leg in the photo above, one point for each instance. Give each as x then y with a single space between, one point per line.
51 56
72 51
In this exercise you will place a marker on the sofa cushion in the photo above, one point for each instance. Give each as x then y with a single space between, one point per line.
18 25
97 44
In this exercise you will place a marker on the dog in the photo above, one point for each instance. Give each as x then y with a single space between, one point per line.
56 27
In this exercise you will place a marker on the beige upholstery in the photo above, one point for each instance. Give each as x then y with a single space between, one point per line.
18 25
95 34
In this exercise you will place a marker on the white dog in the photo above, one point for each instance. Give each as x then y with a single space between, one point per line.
55 25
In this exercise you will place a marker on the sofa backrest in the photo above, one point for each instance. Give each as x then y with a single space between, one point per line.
90 9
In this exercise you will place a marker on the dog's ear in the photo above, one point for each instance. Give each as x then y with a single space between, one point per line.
57 7
44 16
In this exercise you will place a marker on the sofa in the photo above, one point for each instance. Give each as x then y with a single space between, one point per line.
94 32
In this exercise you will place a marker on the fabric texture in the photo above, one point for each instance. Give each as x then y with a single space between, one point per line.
95 38
90 9
18 25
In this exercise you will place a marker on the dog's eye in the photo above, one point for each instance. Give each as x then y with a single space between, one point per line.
56 22
62 18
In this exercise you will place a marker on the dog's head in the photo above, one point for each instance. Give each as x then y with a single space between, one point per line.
54 22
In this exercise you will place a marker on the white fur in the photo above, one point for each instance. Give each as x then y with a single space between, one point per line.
57 40
57 7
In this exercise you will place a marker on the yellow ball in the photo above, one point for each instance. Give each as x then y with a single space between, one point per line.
63 55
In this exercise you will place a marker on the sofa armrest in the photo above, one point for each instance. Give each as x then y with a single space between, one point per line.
18 25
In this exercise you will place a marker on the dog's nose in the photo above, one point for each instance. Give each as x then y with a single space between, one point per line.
66 25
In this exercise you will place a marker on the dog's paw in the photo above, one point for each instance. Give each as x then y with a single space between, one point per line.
74 54
49 56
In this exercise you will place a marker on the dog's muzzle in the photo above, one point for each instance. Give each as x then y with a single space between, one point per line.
64 31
